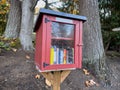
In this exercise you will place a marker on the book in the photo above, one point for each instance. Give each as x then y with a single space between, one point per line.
60 56
52 56
65 56
70 55
57 56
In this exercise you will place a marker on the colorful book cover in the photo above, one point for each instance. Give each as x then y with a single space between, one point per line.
65 56
52 55
55 55
61 57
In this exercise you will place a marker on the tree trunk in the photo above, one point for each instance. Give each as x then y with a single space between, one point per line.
27 24
14 20
93 50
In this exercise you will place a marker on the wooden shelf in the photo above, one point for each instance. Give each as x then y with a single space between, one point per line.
62 38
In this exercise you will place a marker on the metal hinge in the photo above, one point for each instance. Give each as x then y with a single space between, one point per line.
45 64
47 20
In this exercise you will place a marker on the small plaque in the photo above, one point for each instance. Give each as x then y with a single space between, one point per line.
64 20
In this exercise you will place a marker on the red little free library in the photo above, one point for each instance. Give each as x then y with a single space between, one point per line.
58 41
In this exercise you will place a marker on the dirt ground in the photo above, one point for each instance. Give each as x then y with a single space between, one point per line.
18 73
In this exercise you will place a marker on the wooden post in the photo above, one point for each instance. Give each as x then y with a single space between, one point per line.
56 78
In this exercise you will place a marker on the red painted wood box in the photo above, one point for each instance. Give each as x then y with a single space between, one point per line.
58 41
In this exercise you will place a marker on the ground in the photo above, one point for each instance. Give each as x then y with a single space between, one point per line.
17 72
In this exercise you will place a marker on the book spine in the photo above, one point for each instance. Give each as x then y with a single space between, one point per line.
73 55
61 57
55 55
70 56
52 56
65 56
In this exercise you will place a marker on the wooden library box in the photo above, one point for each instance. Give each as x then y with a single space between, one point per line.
58 41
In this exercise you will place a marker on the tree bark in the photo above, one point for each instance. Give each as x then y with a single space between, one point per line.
14 20
93 50
27 24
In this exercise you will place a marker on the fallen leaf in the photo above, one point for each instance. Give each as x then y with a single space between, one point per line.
87 83
86 72
47 82
90 83
28 57
37 76
14 49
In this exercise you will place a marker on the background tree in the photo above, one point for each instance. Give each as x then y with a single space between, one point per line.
27 24
93 50
109 16
14 20
20 22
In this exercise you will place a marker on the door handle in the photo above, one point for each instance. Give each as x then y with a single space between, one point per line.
79 44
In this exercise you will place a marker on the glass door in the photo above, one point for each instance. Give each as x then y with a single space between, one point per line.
62 43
